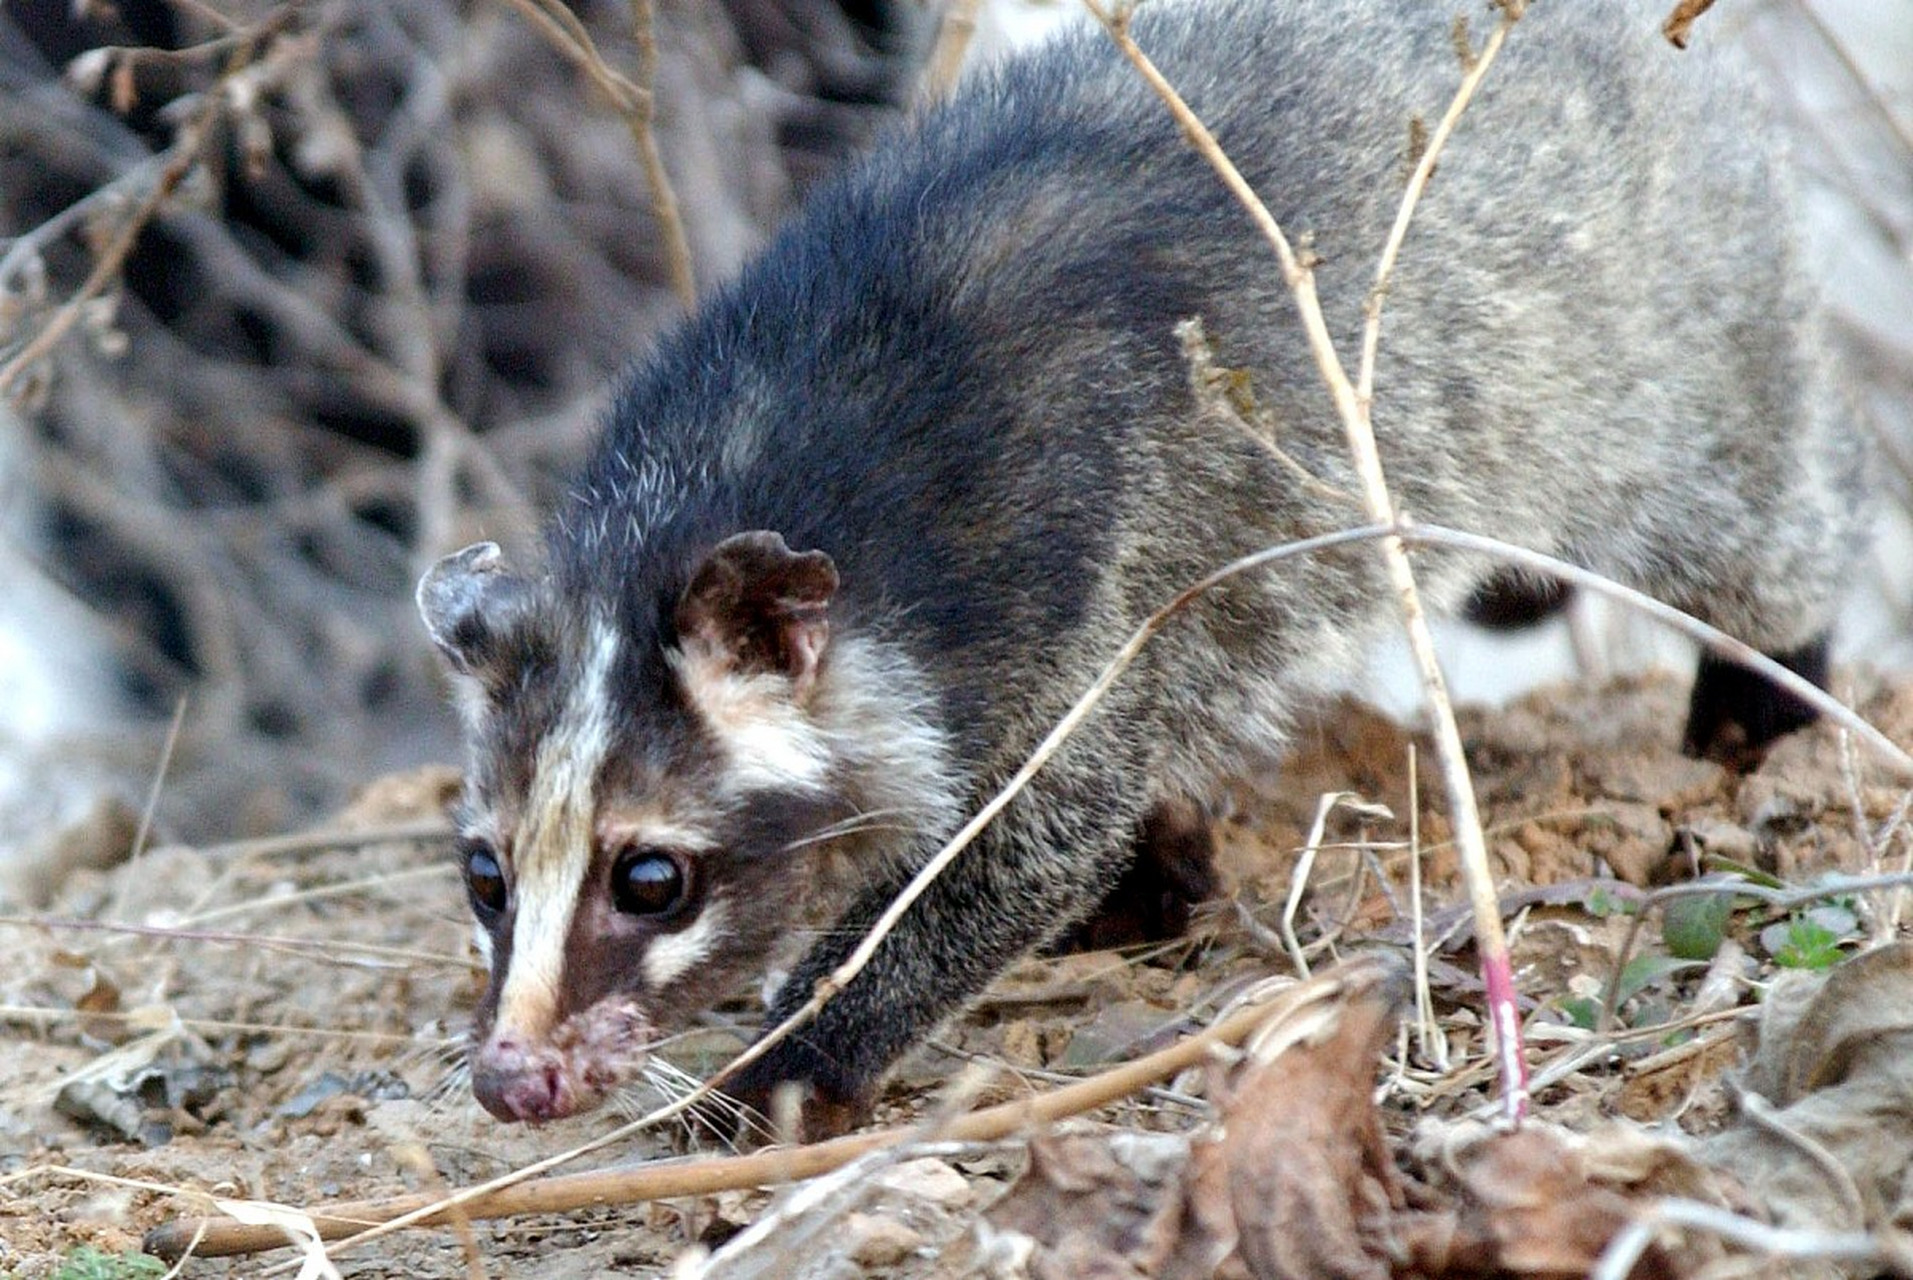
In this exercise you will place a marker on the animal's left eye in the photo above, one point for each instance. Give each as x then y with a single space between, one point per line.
650 882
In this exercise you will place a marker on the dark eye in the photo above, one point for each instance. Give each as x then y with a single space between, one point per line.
484 879
649 882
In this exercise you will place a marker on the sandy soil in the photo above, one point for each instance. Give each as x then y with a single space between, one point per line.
284 1023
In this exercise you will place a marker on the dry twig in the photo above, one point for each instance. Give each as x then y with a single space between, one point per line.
666 1179
1352 404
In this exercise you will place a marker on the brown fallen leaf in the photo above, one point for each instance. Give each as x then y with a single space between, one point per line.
1539 1202
1308 1166
1106 1206
1292 1179
1531 1195
1825 1139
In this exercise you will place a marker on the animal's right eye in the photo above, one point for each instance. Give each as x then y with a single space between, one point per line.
484 879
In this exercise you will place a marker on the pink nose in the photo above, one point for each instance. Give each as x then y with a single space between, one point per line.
516 1084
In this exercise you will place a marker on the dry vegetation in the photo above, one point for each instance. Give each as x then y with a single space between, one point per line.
310 292
281 1023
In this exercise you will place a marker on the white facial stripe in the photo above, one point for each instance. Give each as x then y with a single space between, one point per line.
771 742
657 833
552 854
482 940
671 955
468 694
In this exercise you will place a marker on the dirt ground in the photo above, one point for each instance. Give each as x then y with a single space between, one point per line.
282 1022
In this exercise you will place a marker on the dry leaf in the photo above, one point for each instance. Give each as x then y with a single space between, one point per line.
1830 1083
1293 1179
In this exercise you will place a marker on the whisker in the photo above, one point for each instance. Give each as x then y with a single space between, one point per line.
719 1117
652 1089
454 1080
855 824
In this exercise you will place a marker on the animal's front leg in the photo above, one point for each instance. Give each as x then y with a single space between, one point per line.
1039 869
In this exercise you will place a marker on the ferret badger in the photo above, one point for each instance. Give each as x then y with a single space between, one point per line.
864 526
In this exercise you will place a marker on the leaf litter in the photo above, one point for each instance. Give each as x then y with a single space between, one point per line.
284 1030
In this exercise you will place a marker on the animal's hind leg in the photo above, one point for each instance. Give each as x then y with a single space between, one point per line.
1171 873
1735 715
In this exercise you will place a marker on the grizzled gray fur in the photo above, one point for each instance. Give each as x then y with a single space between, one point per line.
866 524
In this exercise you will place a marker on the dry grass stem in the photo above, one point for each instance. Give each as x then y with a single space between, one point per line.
146 1018
1625 1251
1475 71
636 101
1223 393
1883 748
956 28
1045 750
1299 879
201 914
179 161
1353 408
339 952
145 829
1762 1114
306 842
516 1194
643 115
1432 1044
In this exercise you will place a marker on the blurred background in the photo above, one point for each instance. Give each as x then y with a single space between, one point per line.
295 297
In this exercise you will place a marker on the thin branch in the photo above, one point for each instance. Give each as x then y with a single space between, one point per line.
956 28
181 157
1629 1245
636 101
562 30
663 1179
145 830
334 950
1734 650
643 116
841 976
143 1019
1353 408
301 842
1418 183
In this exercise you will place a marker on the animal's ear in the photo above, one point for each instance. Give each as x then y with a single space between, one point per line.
755 605
471 601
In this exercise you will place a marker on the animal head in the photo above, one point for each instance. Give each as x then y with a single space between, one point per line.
643 774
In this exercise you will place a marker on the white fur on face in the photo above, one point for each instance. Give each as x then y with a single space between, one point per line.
654 830
672 955
468 695
772 743
552 854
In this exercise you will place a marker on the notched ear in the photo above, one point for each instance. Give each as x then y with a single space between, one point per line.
758 606
471 601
